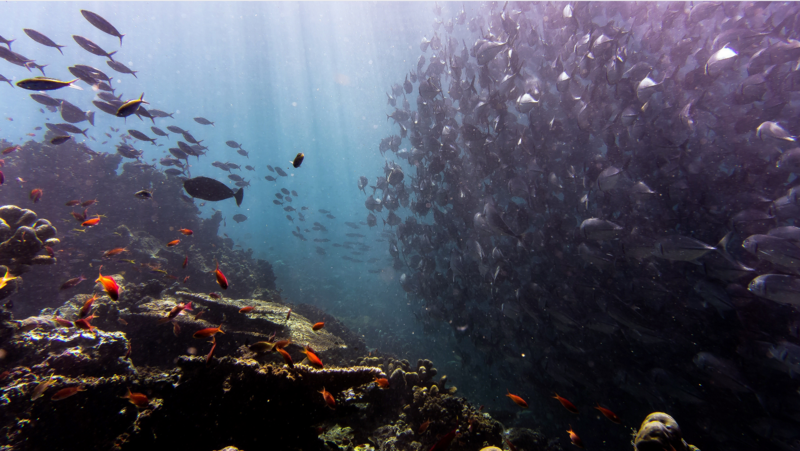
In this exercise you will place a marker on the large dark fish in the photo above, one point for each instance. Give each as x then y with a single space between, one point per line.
91 47
42 39
239 217
209 189
46 84
121 68
102 24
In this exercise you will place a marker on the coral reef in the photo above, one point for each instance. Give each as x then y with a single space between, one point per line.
23 236
660 432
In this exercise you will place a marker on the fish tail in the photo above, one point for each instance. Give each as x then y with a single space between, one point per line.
120 39
109 55
239 195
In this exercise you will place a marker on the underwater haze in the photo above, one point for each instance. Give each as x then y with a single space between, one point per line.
581 213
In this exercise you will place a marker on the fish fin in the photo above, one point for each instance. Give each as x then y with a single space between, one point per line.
239 195
109 55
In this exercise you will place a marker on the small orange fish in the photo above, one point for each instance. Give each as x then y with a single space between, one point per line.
286 357
282 344
215 295
62 322
208 332
445 441
83 323
36 194
185 279
317 326
575 439
247 309
288 314
8 150
423 427
122 321
109 284
173 243
87 307
185 262
137 399
91 222
175 312
67 392
329 399
517 400
88 203
73 203
567 405
609 414
221 279
176 328
382 382
312 357
211 353
187 232
115 251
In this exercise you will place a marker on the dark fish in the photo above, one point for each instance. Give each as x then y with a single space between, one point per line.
175 129
46 100
45 84
129 108
91 47
294 193
232 144
209 189
270 178
143 194
243 153
69 128
271 169
102 24
58 140
285 191
121 68
298 160
72 113
141 136
281 172
158 113
6 42
204 121
239 218
159 132
277 202
42 39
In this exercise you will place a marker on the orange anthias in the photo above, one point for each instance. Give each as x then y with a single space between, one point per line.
567 405
186 232
382 382
36 194
173 243
90 222
87 307
109 284
517 400
318 326
115 251
609 414
83 323
67 392
221 279
312 357
575 439
286 357
328 397
208 332
137 399
247 309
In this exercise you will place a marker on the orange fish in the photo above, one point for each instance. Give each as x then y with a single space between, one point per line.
312 357
62 322
185 262
575 439
221 279
175 312
567 405
283 344
247 309
187 232
329 399
8 150
423 427
609 414
208 332
317 326
73 203
288 314
137 399
517 400
173 243
185 279
286 357
91 222
382 382
176 328
67 392
36 194
87 306
109 284
445 441
210 353
115 251
83 323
